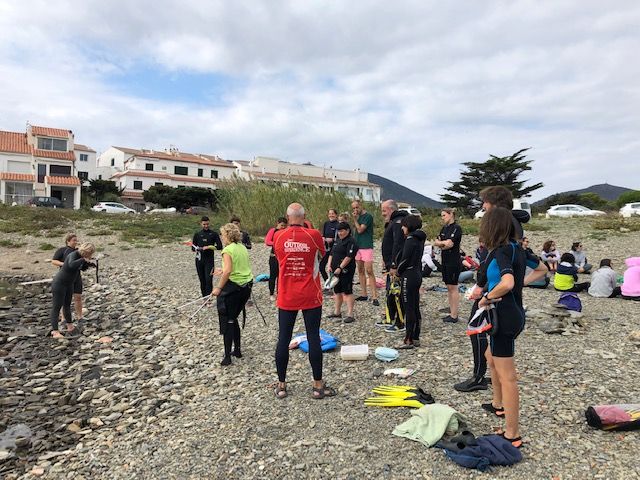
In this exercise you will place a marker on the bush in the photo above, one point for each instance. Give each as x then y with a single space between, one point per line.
46 246
628 197
180 197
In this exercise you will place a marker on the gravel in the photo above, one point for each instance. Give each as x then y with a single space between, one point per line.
142 395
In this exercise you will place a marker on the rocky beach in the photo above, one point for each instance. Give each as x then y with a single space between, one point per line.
142 395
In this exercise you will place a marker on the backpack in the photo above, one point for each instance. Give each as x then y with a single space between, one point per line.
571 301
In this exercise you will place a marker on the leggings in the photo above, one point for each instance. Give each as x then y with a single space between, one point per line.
204 267
62 295
323 264
479 344
577 287
230 304
273 273
286 321
411 281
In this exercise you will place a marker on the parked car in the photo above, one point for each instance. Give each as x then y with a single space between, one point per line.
161 210
51 202
198 211
630 209
572 211
112 207
517 205
411 211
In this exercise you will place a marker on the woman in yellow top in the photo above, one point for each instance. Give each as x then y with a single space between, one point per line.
233 289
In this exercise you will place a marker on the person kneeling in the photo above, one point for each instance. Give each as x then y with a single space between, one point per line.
567 274
233 289
341 264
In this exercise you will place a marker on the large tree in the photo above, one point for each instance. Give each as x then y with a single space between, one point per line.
505 171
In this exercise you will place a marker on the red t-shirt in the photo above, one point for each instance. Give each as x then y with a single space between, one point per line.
298 251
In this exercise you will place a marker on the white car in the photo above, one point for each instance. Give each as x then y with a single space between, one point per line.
630 209
411 211
112 207
565 211
517 205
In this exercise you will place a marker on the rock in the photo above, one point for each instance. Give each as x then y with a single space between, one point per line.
86 396
37 471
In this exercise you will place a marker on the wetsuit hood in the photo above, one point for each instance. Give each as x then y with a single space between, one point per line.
521 215
398 214
419 235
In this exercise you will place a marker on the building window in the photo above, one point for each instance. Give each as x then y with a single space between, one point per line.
61 170
158 184
214 173
200 172
83 175
148 167
113 162
52 144
181 170
84 157
99 177
137 184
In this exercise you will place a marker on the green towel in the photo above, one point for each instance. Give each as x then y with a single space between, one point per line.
428 424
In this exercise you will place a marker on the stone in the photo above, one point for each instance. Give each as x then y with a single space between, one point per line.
37 471
86 396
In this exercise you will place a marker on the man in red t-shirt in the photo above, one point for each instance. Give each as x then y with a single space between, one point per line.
298 251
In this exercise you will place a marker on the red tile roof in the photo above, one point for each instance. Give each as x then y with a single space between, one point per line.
51 132
62 180
53 154
18 177
83 148
14 142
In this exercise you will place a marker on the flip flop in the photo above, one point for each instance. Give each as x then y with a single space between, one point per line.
498 412
322 392
280 392
516 442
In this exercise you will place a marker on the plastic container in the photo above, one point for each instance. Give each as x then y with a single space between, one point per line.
354 352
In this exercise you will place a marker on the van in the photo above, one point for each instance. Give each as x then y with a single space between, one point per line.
518 204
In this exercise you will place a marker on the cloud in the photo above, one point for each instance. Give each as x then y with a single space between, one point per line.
408 90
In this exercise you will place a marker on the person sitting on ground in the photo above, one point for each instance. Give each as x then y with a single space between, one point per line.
543 282
525 246
342 265
71 242
429 262
550 255
246 239
604 281
233 289
577 250
468 267
409 270
567 275
631 283
273 262
62 286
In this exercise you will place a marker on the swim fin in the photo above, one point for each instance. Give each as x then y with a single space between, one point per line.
392 402
403 392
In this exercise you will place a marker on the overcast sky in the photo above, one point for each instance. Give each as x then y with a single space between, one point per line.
406 89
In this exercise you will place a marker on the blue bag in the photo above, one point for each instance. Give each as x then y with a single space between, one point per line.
327 341
263 277
571 301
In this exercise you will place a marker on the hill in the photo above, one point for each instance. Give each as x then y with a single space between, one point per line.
604 190
400 193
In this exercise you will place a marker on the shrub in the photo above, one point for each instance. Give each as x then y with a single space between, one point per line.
46 246
628 197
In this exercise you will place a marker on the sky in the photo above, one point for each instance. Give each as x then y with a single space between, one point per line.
407 89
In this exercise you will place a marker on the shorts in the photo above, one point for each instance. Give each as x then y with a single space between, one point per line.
510 325
365 255
345 283
450 274
77 285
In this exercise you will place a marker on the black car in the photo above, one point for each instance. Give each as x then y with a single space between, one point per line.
51 202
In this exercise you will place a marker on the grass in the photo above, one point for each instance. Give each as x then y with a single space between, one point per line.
9 244
46 246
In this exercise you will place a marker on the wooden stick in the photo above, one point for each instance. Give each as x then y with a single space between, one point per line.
37 281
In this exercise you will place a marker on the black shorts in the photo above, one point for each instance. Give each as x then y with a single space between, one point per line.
77 285
510 325
450 274
345 283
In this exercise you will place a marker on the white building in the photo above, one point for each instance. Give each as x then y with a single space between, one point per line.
135 171
40 162
353 183
87 165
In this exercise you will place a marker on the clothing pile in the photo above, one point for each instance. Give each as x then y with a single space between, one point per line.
614 417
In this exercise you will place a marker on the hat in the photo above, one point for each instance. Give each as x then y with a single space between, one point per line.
343 226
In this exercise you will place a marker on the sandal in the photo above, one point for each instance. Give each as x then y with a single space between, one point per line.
280 392
516 442
324 391
498 412
56 334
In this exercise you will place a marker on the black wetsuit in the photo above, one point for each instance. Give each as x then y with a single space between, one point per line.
451 264
62 286
205 258
392 244
343 248
60 255
246 240
328 231
410 271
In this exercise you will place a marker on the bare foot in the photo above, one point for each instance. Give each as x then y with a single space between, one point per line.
57 334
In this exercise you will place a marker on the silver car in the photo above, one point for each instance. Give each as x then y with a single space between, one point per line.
572 211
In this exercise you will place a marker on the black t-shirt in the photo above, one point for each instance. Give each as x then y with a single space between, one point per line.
453 232
61 253
343 248
204 238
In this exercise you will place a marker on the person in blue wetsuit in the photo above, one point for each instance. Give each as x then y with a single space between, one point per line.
505 275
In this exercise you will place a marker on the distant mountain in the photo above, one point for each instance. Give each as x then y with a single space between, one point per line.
604 190
400 193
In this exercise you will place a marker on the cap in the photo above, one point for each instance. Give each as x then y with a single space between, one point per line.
343 226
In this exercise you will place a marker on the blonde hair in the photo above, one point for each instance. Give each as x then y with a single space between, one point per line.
68 237
450 211
86 249
231 232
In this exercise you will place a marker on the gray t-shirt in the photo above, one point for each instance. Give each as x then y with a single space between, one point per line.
603 281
